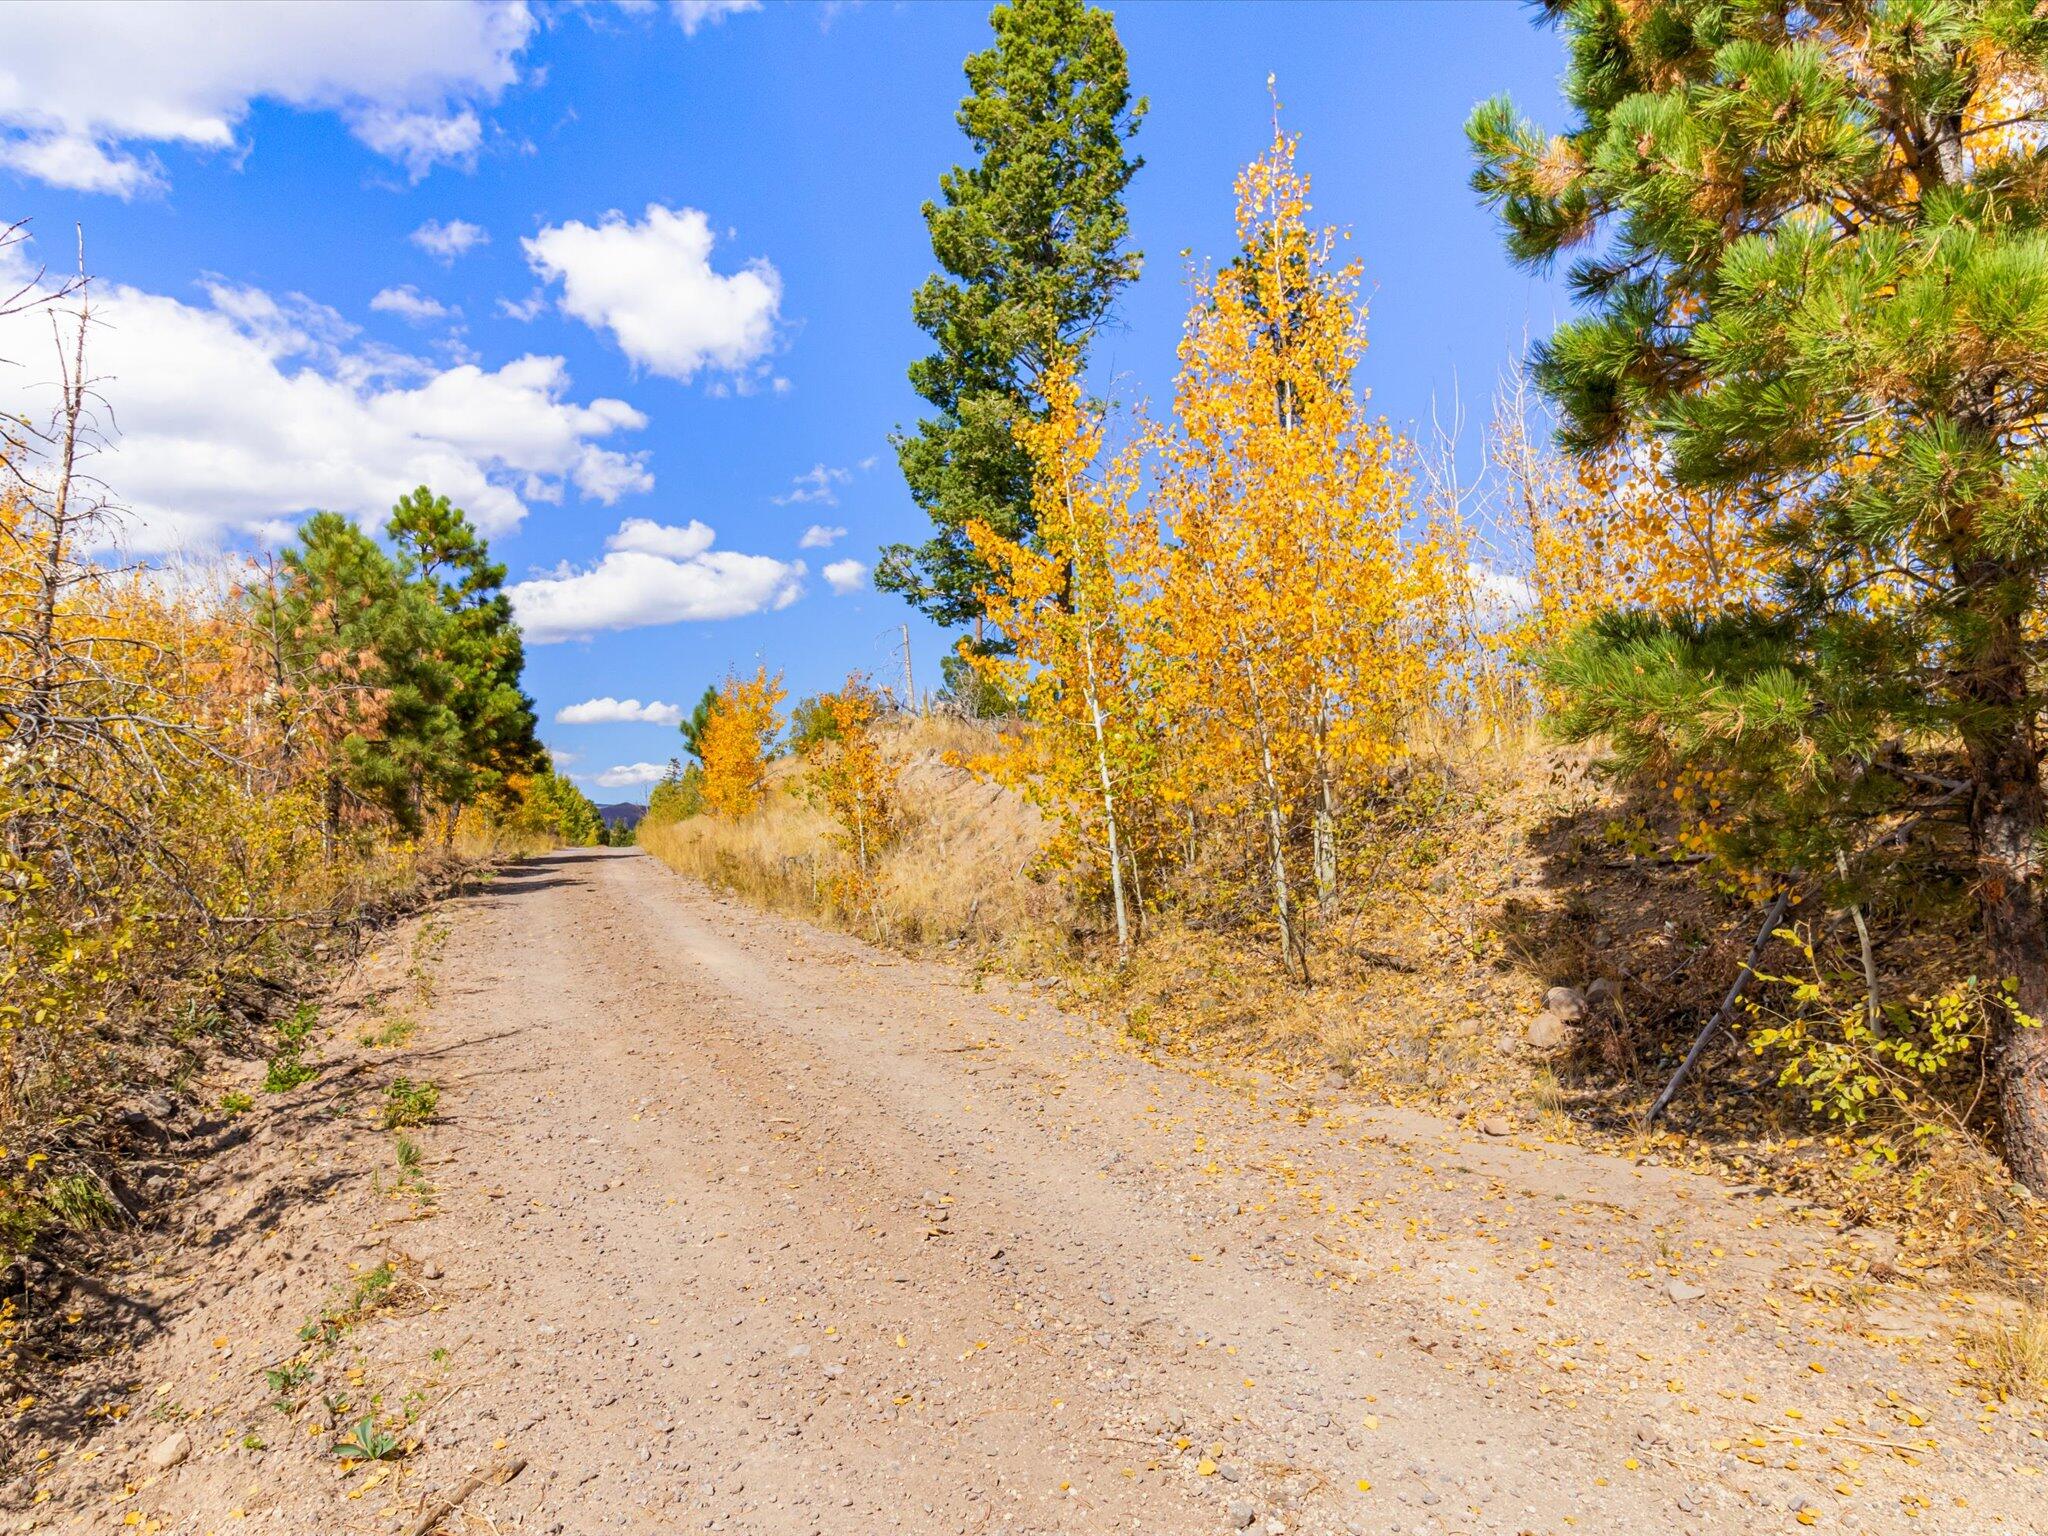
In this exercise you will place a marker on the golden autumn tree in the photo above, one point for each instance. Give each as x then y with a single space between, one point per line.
855 782
737 739
1066 604
1616 529
1292 607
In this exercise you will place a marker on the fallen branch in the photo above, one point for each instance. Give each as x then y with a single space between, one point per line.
1699 1044
441 1509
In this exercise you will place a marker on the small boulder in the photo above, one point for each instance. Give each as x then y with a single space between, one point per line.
1680 1291
1568 1003
1547 1031
170 1450
1497 1125
1242 1513
1599 992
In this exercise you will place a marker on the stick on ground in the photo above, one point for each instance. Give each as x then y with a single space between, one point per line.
1699 1044
441 1509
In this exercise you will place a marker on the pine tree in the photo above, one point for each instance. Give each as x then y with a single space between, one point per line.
476 671
1812 259
1033 242
346 620
699 717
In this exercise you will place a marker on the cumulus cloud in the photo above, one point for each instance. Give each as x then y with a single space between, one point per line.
408 303
817 483
239 413
611 711
85 88
696 14
651 574
652 286
819 536
445 242
844 576
630 775
647 537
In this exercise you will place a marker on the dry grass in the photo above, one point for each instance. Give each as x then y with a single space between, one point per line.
2010 1357
954 878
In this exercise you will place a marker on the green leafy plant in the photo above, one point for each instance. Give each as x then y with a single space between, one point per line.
288 1067
371 1286
1896 1077
364 1441
79 1201
236 1103
393 1030
284 1382
409 1103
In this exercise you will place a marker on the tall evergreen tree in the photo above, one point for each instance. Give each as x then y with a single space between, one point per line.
481 656
361 641
1812 259
1032 239
699 717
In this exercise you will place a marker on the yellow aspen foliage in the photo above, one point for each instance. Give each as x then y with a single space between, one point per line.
1067 606
1296 618
736 741
1615 530
856 783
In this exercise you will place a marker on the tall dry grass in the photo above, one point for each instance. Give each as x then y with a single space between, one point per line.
957 877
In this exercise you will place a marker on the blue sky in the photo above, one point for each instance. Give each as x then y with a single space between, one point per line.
669 331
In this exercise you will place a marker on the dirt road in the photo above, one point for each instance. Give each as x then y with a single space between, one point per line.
740 1226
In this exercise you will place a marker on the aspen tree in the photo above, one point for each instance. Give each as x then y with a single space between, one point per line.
1066 605
1289 603
736 739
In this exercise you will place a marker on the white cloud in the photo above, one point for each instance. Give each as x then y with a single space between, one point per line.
648 537
652 574
844 576
238 414
445 242
630 775
611 711
408 303
1510 593
652 286
563 759
419 141
528 308
694 14
818 536
83 84
817 483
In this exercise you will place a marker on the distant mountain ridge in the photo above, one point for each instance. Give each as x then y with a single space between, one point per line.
624 813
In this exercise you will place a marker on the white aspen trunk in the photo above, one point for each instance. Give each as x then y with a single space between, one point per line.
1292 955
1091 688
1326 844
